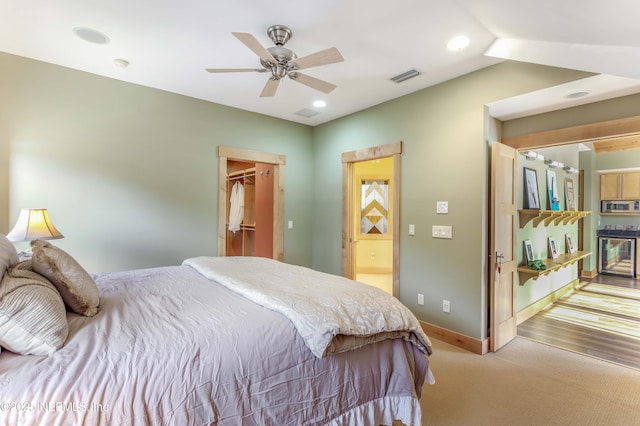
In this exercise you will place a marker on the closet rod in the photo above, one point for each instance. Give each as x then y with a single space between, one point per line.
241 176
242 172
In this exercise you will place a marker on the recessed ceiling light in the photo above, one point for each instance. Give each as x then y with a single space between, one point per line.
576 95
319 103
92 36
458 43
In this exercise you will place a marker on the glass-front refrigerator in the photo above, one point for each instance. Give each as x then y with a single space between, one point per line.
617 256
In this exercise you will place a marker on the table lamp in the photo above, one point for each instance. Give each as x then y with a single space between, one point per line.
33 224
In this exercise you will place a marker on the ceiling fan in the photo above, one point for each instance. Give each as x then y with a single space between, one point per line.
282 62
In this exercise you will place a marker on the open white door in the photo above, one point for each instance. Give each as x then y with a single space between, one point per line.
503 259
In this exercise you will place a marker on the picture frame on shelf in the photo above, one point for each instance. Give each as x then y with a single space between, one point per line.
531 195
553 248
570 247
569 195
528 251
552 190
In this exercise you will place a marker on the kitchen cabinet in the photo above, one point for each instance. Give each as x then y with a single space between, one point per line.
620 186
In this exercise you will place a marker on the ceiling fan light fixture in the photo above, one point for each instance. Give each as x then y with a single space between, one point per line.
405 76
282 62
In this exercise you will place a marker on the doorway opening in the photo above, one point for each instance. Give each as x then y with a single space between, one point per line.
371 200
612 131
373 231
256 179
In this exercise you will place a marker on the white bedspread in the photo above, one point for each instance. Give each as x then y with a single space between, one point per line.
170 347
332 314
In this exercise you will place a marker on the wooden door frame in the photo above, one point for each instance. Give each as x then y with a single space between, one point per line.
348 159
226 153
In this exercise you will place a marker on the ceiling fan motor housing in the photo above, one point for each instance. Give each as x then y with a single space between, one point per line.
279 34
283 56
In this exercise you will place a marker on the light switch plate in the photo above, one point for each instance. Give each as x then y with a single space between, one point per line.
412 229
441 232
442 207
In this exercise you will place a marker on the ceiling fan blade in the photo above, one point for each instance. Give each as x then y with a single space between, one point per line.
252 43
312 82
270 88
324 57
217 70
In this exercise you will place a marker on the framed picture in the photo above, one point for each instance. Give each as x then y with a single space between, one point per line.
553 248
552 189
531 195
569 197
570 247
528 251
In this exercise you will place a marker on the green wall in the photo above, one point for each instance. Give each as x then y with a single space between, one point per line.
130 174
445 158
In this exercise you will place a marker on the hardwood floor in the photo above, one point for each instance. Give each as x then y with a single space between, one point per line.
601 320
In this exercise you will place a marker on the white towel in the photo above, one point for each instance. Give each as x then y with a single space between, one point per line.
236 207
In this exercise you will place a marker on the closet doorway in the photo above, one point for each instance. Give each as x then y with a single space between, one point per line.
250 203
371 200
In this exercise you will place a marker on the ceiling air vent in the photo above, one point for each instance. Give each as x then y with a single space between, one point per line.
405 76
306 112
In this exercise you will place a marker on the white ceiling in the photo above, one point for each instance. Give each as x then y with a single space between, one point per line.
169 43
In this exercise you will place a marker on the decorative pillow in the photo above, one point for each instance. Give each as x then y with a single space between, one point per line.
8 254
33 319
77 288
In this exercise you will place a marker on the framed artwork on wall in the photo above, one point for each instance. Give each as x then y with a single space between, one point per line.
531 196
552 190
569 196
570 247
528 251
553 248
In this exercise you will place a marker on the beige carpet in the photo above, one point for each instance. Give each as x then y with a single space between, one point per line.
528 383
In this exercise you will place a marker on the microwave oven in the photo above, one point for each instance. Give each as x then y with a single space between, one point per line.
620 207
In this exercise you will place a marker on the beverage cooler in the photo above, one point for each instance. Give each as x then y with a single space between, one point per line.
617 256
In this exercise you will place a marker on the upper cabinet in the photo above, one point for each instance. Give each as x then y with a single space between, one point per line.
620 186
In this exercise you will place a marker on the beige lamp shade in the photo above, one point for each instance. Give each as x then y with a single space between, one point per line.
33 224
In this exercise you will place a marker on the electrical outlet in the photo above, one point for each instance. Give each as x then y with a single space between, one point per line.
446 306
420 299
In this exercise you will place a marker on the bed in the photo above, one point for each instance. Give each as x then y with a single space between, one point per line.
215 340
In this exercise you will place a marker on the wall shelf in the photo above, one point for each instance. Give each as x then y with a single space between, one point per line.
547 217
552 265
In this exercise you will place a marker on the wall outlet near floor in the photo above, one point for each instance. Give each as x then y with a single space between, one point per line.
446 306
420 299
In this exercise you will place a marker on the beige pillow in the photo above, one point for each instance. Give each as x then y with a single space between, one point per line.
8 254
77 288
33 319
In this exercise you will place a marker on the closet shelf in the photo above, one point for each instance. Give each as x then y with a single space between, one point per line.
548 217
552 265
